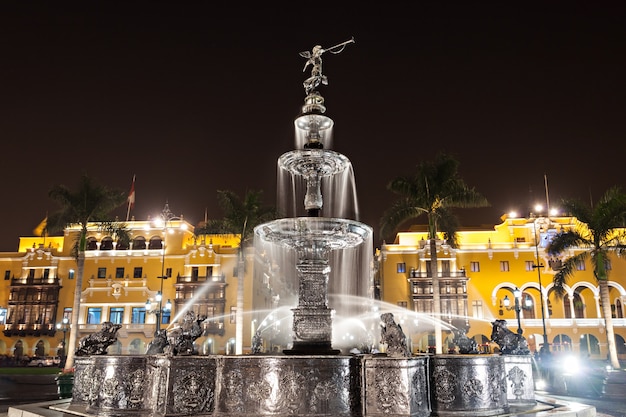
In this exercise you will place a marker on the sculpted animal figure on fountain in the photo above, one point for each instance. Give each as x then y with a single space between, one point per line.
510 343
391 334
158 344
97 343
181 338
465 344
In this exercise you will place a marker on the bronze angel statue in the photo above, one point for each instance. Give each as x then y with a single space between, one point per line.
314 58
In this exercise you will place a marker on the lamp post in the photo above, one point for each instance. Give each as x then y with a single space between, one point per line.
158 311
166 217
517 294
546 345
64 326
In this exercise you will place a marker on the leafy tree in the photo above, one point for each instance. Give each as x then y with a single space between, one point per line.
89 202
600 232
433 191
241 216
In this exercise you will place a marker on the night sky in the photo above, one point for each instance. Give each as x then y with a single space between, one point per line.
194 97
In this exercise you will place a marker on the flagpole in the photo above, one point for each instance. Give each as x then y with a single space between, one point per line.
131 198
545 180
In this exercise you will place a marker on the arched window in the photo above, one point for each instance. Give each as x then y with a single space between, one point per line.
139 243
619 311
561 343
589 345
579 306
528 304
136 347
106 243
155 242
92 243
122 244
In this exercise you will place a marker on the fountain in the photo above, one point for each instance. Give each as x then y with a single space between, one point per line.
311 378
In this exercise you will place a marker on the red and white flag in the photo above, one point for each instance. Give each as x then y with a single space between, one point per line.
131 198
131 195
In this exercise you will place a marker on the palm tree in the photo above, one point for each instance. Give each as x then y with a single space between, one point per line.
240 217
90 202
600 232
433 191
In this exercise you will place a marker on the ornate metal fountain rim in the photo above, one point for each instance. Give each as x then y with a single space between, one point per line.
322 162
331 233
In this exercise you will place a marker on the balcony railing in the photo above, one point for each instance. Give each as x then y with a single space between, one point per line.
201 278
35 281
21 330
440 274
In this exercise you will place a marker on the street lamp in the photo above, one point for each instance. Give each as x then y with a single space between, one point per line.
64 326
160 310
166 218
517 294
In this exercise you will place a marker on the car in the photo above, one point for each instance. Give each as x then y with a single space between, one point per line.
41 362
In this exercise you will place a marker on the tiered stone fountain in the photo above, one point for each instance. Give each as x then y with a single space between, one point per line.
311 378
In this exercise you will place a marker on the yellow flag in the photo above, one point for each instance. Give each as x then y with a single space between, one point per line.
39 230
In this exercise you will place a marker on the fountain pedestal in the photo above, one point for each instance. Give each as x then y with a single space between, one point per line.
468 385
520 386
395 386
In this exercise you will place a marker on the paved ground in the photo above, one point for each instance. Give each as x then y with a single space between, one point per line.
25 389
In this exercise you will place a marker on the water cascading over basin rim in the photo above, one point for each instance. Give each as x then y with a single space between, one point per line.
322 162
333 233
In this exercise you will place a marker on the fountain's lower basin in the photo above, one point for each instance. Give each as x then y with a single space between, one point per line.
281 385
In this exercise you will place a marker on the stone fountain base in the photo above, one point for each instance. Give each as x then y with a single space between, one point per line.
281 385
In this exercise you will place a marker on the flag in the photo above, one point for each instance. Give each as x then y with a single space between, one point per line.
131 195
41 227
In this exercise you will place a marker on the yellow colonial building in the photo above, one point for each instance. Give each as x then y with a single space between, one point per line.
168 262
477 282
478 279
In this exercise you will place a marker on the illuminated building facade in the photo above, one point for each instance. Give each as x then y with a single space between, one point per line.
119 278
477 280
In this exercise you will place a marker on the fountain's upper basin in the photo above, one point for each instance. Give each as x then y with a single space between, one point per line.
306 162
330 233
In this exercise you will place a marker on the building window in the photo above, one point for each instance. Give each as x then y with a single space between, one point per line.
7 275
138 315
530 265
94 315
477 309
137 272
119 272
165 316
445 268
67 314
475 266
402 304
31 273
400 267
233 315
504 266
102 272
116 315
168 272
580 265
70 274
